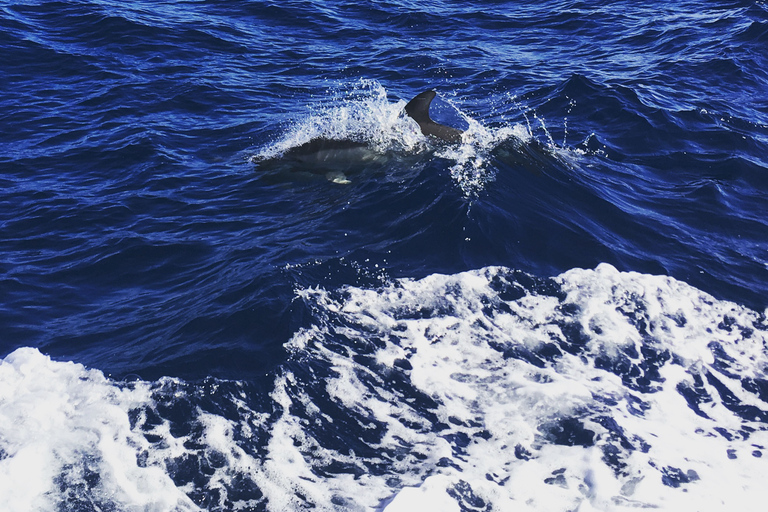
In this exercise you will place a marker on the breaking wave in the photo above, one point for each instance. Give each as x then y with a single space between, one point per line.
483 390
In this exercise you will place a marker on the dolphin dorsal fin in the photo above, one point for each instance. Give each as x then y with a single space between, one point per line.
418 110
418 107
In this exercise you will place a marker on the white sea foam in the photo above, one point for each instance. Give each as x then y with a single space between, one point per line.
65 437
567 432
489 389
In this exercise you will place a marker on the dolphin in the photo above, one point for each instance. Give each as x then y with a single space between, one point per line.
335 157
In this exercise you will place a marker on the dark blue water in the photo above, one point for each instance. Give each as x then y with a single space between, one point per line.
139 236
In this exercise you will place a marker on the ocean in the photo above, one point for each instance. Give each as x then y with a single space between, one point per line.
566 310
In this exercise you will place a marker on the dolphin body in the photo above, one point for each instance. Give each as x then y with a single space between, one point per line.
334 157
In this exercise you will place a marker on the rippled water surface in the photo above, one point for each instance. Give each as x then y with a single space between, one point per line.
193 319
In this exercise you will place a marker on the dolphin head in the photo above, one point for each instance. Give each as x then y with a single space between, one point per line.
418 110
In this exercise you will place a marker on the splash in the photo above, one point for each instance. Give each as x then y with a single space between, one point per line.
362 112
477 160
472 168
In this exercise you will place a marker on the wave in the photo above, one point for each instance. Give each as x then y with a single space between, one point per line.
486 389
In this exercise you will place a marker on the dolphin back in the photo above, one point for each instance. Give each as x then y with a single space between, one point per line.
418 107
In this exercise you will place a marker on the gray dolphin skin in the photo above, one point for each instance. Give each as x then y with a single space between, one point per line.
418 110
331 153
331 157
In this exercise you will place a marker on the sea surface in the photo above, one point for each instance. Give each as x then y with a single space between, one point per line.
566 311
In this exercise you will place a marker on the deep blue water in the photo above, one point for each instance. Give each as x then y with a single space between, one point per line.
140 234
